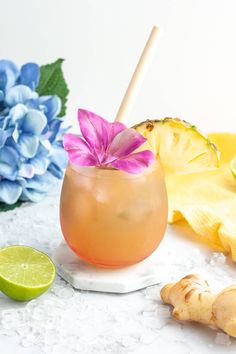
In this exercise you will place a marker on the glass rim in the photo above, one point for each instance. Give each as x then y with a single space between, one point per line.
109 173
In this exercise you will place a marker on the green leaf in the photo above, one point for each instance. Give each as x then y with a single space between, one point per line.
6 207
52 82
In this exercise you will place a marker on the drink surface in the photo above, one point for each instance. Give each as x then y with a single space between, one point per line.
111 218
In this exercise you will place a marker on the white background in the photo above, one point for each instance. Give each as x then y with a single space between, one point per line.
193 75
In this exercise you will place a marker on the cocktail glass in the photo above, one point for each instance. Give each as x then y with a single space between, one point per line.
111 218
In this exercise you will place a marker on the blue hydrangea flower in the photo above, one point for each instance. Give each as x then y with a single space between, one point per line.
32 157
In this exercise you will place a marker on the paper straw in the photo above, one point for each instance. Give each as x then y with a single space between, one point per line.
138 76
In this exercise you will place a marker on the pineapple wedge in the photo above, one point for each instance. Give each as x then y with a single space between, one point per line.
181 147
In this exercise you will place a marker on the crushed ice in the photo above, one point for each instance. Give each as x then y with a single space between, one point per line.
65 320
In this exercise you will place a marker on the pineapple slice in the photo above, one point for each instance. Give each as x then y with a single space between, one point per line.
181 147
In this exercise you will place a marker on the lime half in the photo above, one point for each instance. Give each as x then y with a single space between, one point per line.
233 166
25 273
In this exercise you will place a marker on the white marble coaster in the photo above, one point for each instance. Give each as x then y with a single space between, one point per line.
84 276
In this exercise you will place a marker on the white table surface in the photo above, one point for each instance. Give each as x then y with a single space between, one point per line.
38 225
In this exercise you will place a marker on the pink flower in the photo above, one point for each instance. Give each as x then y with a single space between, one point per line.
106 144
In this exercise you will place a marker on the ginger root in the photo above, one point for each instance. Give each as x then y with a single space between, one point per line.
193 301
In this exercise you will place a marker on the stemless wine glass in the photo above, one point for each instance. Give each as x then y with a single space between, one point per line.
112 218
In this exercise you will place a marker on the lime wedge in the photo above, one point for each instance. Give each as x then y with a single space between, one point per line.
25 273
233 166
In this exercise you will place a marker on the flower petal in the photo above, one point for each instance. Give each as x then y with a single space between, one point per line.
8 74
15 134
26 170
134 163
56 171
78 150
72 141
82 158
52 106
54 127
114 129
21 181
9 191
42 183
32 195
9 155
3 137
2 96
37 186
64 127
8 162
9 132
125 143
4 121
58 161
58 156
95 131
18 112
8 171
33 104
19 94
41 160
40 165
34 122
28 145
29 75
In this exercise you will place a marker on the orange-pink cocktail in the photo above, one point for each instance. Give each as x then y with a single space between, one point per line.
111 218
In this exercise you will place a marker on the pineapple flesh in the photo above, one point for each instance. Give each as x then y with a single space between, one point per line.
180 145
